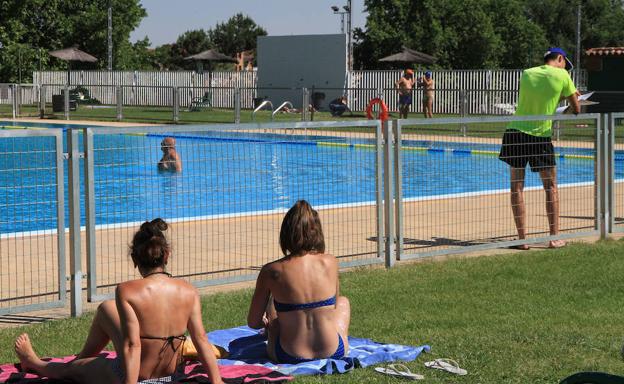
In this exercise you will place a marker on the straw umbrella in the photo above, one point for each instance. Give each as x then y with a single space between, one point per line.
210 56
72 54
410 56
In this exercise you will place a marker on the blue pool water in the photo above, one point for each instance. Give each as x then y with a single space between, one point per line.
226 173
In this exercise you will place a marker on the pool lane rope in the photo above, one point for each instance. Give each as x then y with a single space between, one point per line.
342 145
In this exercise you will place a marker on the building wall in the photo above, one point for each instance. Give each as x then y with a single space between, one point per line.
311 61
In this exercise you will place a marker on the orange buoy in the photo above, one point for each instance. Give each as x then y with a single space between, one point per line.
383 114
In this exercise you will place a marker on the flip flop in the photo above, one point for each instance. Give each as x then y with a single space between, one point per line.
399 370
447 365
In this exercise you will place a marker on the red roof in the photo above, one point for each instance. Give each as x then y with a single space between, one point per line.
605 51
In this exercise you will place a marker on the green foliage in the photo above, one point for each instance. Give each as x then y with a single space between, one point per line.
467 34
237 34
188 43
31 28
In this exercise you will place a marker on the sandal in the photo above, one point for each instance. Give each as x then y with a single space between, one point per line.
399 370
447 365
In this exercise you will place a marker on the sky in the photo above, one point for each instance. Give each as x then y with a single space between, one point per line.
167 19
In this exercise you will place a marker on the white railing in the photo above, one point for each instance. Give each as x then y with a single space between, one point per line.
457 91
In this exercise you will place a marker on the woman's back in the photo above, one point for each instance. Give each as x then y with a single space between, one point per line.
307 318
300 281
163 307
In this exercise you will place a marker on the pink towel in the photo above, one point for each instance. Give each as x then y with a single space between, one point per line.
193 373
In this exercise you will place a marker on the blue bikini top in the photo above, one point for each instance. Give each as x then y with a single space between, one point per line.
285 307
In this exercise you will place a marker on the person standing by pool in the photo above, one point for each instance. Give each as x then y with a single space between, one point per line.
404 86
428 83
541 90
146 324
171 159
297 298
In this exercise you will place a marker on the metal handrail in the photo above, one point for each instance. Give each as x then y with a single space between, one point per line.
285 103
259 107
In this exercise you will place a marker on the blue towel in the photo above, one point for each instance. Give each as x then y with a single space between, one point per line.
248 346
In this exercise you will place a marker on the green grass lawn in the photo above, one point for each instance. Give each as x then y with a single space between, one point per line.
164 115
530 317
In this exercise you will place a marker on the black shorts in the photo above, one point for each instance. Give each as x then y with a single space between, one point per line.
518 149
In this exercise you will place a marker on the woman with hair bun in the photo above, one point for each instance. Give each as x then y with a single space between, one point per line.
297 298
146 323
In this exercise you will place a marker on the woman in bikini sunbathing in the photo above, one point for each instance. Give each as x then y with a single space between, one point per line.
146 324
297 298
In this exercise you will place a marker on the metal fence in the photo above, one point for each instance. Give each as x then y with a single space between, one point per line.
153 88
615 147
32 231
406 189
227 204
469 207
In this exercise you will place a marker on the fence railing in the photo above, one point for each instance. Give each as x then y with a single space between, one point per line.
153 88
32 229
405 189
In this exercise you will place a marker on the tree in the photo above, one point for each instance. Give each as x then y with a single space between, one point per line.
237 34
31 28
188 43
484 33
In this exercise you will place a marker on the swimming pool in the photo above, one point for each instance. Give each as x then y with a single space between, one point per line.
225 175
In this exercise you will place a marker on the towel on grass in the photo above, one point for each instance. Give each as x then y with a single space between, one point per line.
248 346
193 373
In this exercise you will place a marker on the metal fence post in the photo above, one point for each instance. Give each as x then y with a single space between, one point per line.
604 187
13 100
305 102
119 92
463 105
89 190
18 99
388 196
237 105
176 105
73 182
60 214
42 101
379 145
398 188
66 102
611 175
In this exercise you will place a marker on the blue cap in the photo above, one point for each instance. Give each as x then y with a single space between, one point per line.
560 51
428 74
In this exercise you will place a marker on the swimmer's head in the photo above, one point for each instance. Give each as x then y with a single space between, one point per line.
409 72
301 231
428 74
150 249
167 143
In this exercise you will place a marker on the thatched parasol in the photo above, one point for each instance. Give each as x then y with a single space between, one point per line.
72 54
410 56
210 56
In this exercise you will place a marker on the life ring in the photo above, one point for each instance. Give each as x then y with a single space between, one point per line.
383 114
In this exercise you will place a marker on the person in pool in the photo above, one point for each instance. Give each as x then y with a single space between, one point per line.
146 324
297 298
171 159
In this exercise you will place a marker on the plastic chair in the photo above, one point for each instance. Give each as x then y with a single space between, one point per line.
198 103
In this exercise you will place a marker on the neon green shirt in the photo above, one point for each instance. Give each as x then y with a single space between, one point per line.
541 89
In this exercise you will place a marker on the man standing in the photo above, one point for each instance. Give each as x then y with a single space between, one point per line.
404 86
541 90
427 82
